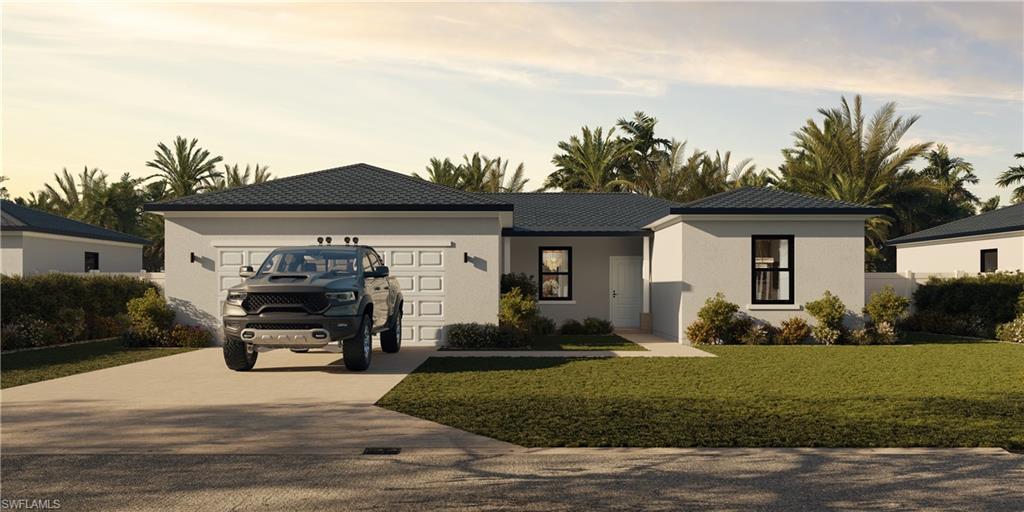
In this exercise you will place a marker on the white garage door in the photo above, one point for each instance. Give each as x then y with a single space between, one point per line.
418 268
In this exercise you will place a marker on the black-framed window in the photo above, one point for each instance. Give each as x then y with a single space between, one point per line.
92 261
772 276
989 260
555 271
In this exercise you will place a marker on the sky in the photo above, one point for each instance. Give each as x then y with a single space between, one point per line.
308 86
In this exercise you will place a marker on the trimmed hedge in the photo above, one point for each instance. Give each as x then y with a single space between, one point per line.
967 306
474 335
48 309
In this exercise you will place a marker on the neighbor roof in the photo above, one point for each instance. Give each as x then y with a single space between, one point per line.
1010 218
358 187
14 217
771 200
582 213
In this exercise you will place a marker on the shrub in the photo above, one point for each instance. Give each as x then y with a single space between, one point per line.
1020 304
794 330
516 309
593 325
741 326
41 295
1012 331
701 333
149 320
757 334
526 283
829 312
885 333
719 324
542 326
474 335
26 331
862 336
68 325
189 336
966 302
885 306
107 326
571 326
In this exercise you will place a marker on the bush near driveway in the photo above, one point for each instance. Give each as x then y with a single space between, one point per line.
967 306
932 395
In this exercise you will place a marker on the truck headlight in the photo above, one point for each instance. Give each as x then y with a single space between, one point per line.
341 297
236 297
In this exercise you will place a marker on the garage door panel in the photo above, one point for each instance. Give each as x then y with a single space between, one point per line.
418 270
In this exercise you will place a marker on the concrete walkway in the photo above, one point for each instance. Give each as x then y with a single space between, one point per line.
656 347
190 403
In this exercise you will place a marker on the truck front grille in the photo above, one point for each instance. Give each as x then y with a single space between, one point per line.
311 302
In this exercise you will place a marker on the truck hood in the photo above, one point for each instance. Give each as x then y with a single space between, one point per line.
299 282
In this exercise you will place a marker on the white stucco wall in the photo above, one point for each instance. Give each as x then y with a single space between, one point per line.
472 288
666 281
590 263
40 253
962 254
10 254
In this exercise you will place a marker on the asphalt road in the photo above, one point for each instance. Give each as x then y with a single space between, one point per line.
546 480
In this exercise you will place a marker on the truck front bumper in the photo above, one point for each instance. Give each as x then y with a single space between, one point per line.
291 331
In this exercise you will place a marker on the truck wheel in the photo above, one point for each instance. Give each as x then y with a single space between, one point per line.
356 352
299 350
237 356
391 339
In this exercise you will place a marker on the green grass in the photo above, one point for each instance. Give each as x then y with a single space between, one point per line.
50 363
924 394
572 342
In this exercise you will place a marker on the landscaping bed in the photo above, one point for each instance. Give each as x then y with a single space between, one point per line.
571 342
29 366
935 393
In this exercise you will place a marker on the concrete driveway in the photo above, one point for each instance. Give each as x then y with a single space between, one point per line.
190 403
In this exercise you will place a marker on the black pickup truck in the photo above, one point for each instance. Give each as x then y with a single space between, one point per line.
313 297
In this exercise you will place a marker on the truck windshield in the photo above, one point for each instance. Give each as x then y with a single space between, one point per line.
309 260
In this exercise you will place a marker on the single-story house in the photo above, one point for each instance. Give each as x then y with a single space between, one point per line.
989 242
36 242
637 261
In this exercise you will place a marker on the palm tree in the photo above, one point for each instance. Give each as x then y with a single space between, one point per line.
442 172
589 163
1011 176
233 177
474 172
847 159
647 150
952 174
187 169
66 197
499 180
989 204
4 194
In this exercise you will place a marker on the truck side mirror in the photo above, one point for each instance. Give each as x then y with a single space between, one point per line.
380 271
245 272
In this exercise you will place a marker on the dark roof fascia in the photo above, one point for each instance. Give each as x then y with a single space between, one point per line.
125 239
158 207
687 210
572 233
907 239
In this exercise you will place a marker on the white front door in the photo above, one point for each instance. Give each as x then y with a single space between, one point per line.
625 294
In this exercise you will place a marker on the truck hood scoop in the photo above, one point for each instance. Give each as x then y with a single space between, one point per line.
287 278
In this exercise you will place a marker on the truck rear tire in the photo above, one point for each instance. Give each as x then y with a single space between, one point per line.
358 351
237 356
391 339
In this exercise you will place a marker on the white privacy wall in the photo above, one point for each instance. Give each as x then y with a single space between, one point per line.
715 256
470 291
28 253
961 254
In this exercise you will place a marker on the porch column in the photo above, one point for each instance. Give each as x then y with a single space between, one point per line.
506 255
646 323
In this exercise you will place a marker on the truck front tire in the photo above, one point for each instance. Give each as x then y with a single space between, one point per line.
358 351
237 355
391 339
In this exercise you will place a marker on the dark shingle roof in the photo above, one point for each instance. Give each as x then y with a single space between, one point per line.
771 200
352 187
1010 218
563 213
14 217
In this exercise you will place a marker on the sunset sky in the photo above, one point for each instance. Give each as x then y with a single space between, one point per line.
302 87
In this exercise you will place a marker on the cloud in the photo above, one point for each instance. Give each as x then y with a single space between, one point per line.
629 49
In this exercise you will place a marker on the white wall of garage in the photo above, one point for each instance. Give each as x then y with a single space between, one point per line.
425 251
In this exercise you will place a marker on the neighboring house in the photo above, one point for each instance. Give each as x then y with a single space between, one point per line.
989 242
36 242
635 260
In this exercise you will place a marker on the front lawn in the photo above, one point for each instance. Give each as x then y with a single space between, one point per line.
924 394
19 368
571 342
